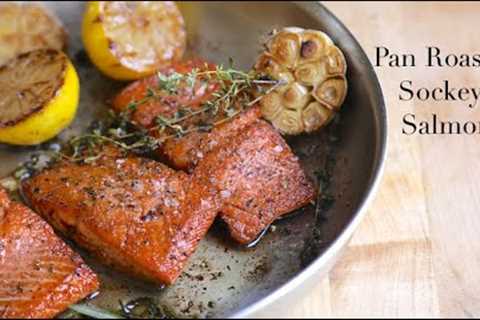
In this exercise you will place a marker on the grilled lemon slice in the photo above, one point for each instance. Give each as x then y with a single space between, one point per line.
313 71
38 96
130 40
26 27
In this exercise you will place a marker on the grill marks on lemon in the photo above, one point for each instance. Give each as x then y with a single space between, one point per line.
26 27
130 40
25 90
39 93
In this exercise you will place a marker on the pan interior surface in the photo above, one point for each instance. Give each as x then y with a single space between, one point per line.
222 278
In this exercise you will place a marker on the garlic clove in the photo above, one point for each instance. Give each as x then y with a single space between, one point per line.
296 97
267 65
271 105
289 122
335 61
331 92
316 116
311 73
285 48
315 44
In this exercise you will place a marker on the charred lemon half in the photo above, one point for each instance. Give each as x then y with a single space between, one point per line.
131 40
312 70
26 27
39 93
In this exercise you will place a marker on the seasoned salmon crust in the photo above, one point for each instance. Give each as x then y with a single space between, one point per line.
40 276
134 213
275 183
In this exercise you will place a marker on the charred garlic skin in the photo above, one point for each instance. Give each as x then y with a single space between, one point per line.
312 70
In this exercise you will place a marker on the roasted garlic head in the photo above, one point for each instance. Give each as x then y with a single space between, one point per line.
313 83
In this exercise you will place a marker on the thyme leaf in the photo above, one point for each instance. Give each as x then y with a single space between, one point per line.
169 83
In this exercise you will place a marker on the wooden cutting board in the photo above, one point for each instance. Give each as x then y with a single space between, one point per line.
417 253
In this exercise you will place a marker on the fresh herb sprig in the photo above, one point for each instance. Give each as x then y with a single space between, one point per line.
231 95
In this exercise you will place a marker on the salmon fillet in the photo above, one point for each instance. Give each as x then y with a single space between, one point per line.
144 218
165 104
186 152
270 183
135 214
183 152
40 276
246 218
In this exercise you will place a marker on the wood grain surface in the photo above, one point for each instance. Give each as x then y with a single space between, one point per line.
417 253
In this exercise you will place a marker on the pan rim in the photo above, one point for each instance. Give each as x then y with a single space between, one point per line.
330 253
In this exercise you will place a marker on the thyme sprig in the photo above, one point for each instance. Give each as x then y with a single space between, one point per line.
231 95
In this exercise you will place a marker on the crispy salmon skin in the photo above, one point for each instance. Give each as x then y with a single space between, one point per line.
40 276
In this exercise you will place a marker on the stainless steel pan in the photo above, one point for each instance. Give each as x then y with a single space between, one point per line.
223 279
